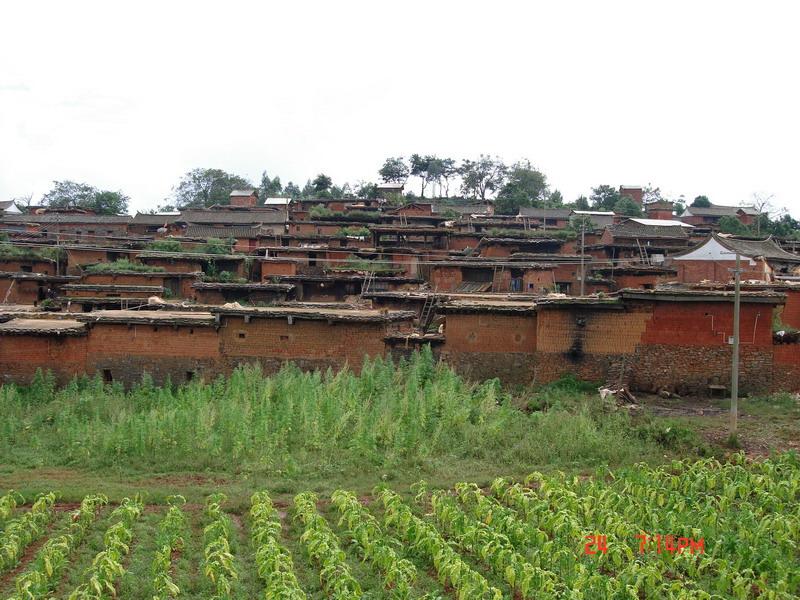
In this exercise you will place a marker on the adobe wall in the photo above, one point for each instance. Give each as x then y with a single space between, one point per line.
695 271
786 367
17 265
20 356
486 345
685 348
18 291
309 344
588 342
161 350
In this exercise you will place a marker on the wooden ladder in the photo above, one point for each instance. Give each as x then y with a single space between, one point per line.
428 312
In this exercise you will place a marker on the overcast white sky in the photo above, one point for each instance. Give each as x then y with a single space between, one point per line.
694 97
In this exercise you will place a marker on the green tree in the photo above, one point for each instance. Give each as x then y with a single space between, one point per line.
679 207
525 186
321 186
201 188
701 202
729 224
292 191
581 203
269 188
66 194
420 167
482 177
367 190
604 197
109 203
554 200
394 169
651 194
626 206
448 171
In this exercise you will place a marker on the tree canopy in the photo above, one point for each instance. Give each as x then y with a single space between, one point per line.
628 207
524 186
604 197
68 194
201 188
701 202
481 178
394 170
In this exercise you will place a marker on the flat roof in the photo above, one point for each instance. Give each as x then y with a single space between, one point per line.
689 295
318 314
148 317
57 327
482 305
253 287
191 255
111 287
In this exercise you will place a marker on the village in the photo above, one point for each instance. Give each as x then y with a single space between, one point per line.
641 302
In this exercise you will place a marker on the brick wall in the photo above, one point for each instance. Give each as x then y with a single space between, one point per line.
695 271
486 345
161 350
34 266
310 344
20 356
20 291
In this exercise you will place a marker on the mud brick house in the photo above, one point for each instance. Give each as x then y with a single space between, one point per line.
661 210
642 240
313 338
710 215
154 225
253 293
433 238
339 286
189 262
174 284
490 338
544 218
614 278
81 257
412 209
28 264
29 288
472 210
492 275
463 240
761 260
122 345
246 198
246 238
69 227
319 228
301 209
267 220
650 340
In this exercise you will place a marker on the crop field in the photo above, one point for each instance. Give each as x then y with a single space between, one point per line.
686 529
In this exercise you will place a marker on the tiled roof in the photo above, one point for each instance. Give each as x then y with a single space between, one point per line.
544 213
632 228
719 211
157 219
234 231
767 248
61 218
232 217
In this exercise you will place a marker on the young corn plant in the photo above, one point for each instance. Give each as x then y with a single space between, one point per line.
22 531
398 573
424 538
273 561
171 531
8 505
44 573
218 562
494 549
99 581
323 548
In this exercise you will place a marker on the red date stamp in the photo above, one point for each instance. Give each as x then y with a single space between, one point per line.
660 544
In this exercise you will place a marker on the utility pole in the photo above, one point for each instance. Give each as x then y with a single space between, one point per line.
583 267
735 361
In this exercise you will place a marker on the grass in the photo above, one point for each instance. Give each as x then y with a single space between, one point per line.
123 264
294 431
